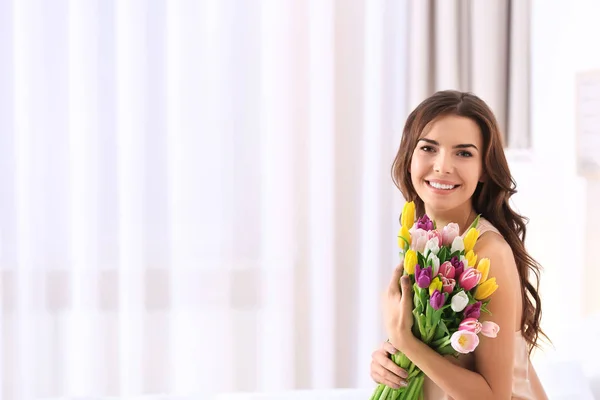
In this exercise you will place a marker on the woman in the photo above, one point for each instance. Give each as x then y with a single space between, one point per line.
451 163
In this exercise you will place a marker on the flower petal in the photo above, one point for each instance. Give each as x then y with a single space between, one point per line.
464 341
489 329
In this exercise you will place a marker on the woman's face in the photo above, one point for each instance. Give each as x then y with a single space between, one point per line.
447 163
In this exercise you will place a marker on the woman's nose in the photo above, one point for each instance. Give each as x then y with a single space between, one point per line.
443 164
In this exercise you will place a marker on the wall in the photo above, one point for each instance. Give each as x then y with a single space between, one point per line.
559 203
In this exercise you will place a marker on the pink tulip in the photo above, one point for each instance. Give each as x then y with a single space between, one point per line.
449 232
470 324
437 234
447 270
469 278
464 341
448 284
419 239
489 329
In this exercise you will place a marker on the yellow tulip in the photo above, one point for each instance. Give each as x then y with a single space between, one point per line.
470 239
471 258
486 289
407 219
436 283
404 233
484 268
410 260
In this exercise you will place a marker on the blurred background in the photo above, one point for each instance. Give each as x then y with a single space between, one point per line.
196 194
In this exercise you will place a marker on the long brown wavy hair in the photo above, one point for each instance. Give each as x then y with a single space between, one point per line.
491 197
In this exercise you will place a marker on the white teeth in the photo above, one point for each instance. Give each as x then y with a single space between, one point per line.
441 186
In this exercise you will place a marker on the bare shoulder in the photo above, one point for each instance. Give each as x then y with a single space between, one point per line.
503 267
493 246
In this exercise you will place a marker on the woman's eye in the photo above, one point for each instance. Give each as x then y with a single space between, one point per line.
465 154
427 148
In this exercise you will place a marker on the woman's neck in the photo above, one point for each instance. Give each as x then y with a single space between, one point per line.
463 217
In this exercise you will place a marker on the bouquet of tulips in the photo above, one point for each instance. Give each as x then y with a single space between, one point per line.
451 289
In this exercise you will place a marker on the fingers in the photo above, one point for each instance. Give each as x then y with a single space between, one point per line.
381 358
380 379
406 302
389 348
394 288
381 374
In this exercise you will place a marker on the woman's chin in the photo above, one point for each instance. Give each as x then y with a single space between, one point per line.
437 205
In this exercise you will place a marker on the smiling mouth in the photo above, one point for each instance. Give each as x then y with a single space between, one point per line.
441 186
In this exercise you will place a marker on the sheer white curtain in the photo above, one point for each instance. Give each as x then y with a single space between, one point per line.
477 46
195 194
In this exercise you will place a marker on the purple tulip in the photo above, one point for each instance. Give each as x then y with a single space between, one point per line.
458 267
437 300
425 223
472 310
422 276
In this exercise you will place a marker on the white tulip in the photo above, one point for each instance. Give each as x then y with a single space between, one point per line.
432 246
435 264
459 301
457 244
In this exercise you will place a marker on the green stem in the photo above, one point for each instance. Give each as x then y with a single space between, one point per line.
378 391
413 391
384 395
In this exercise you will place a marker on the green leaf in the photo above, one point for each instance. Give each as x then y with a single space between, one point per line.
470 296
439 332
430 334
422 325
443 328
428 312
446 350
475 222
441 342
415 328
455 254
420 260
406 244
436 317
416 299
424 294
484 308
445 307
443 253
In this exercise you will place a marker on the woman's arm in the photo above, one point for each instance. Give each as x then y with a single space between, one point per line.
494 357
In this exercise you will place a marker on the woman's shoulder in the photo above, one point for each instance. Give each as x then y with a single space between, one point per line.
491 240
492 245
485 226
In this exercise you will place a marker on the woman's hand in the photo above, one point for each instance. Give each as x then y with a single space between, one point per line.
397 309
384 370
